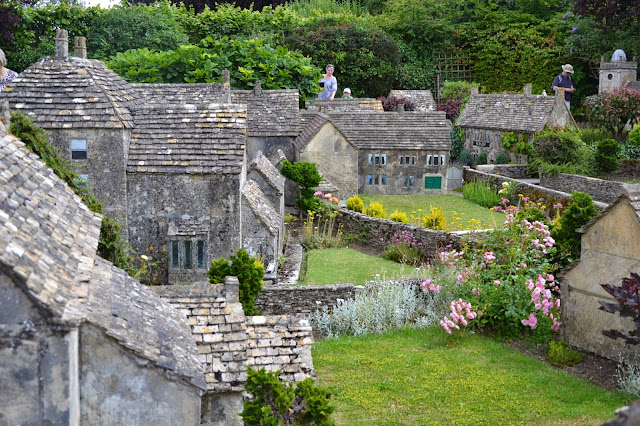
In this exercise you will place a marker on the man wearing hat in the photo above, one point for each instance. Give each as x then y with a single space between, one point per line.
564 80
346 94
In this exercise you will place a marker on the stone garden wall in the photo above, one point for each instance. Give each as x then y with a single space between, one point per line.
287 299
515 171
534 192
605 191
377 231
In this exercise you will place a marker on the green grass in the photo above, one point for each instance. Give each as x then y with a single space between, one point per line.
342 265
453 206
428 377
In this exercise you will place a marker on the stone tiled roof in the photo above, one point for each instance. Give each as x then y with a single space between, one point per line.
346 105
141 321
261 206
521 113
188 138
72 93
633 192
633 85
197 93
389 130
423 98
310 124
270 113
48 236
268 171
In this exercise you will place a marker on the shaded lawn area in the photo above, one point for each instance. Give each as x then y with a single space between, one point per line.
449 203
342 265
428 377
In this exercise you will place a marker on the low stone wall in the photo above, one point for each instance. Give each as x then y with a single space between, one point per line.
276 300
629 169
380 230
514 171
605 191
281 342
536 193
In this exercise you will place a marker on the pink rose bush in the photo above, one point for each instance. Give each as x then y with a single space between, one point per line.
505 275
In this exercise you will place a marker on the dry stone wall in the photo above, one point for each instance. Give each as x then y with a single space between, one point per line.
285 299
605 191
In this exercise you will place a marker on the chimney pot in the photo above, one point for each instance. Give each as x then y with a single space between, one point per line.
80 47
400 109
528 89
62 44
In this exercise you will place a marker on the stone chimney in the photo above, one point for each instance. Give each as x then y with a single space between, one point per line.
559 96
80 47
400 109
257 89
527 89
62 44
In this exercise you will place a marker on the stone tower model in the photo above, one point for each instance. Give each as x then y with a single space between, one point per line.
616 73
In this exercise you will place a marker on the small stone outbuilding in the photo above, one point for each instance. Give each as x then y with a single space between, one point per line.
486 117
377 152
610 252
80 341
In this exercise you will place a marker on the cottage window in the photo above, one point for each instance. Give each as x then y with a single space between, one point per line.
369 179
175 254
412 179
405 180
370 158
188 258
429 160
181 254
442 160
401 160
378 159
78 149
200 255
383 179
413 160
376 179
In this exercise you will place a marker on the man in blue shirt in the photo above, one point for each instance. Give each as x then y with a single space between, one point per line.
564 80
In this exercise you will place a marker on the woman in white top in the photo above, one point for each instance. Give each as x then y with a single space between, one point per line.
329 84
6 75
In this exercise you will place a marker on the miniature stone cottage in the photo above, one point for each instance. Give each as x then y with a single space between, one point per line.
83 343
609 252
169 161
378 152
486 117
619 72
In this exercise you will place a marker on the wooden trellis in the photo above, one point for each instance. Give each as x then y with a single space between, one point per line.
452 66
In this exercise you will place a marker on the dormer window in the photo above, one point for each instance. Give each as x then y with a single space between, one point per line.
78 149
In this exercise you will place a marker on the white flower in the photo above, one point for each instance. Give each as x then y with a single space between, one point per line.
144 257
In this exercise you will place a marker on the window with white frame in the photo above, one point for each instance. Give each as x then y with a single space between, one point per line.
376 179
378 159
407 160
78 149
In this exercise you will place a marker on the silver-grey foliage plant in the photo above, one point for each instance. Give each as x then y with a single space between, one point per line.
379 308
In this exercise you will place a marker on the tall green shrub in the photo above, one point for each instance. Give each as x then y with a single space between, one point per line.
272 402
579 212
306 175
249 272
607 155
481 194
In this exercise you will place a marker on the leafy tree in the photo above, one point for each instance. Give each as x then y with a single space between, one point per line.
614 110
249 272
609 13
247 61
364 56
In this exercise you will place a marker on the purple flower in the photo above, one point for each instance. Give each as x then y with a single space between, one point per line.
566 15
574 29
582 39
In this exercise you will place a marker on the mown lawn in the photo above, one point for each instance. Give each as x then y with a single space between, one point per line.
411 377
342 265
456 208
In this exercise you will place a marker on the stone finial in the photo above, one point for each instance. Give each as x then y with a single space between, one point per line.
62 44
474 91
528 89
400 109
257 89
80 47
232 289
